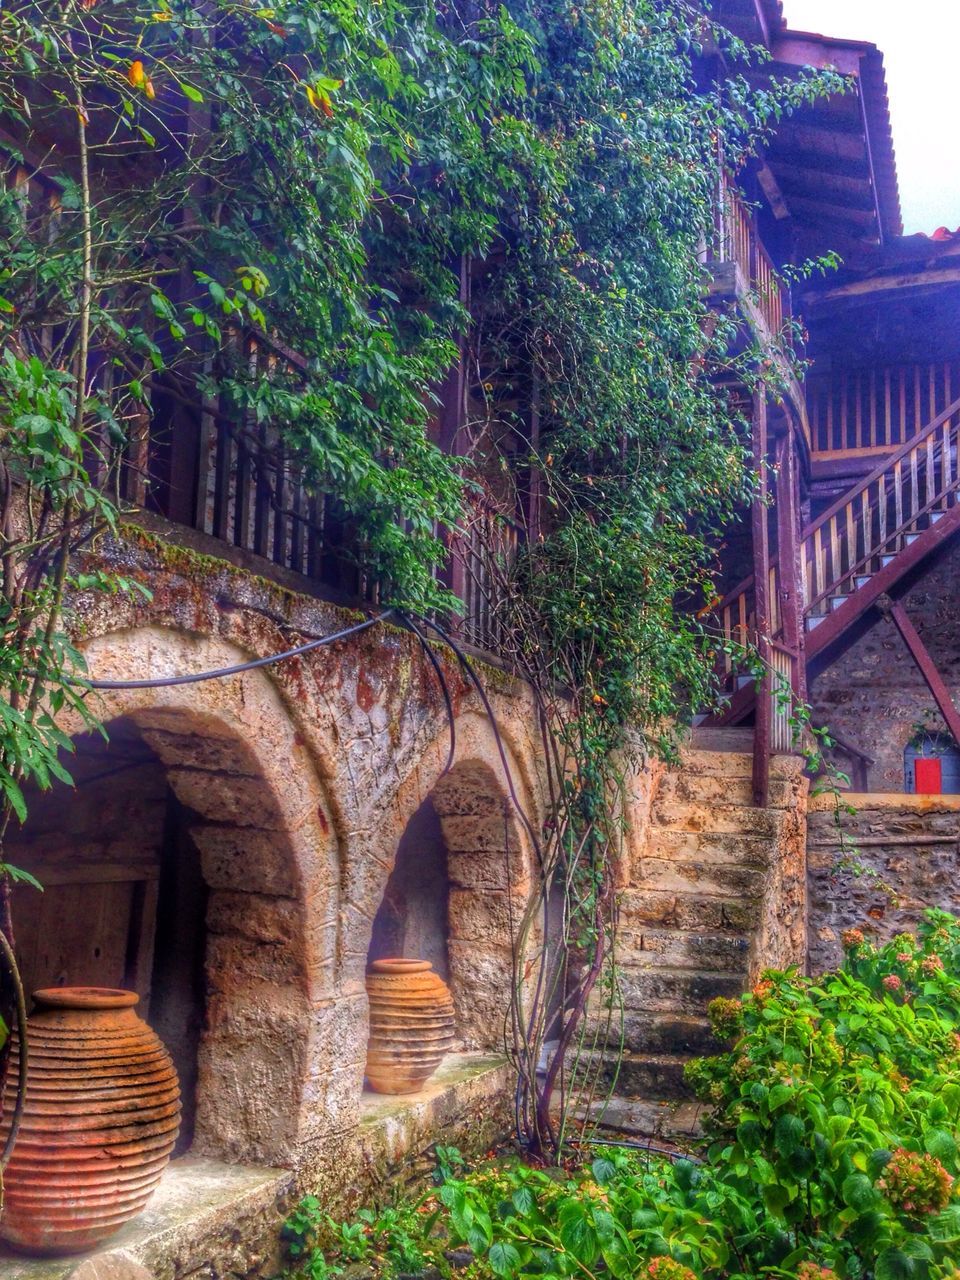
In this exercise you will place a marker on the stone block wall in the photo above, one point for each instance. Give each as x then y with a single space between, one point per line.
907 855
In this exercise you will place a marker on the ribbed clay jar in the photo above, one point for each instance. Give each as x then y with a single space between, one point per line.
411 1024
101 1118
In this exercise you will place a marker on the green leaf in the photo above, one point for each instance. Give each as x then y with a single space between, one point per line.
944 1227
942 1144
504 1259
858 1191
894 1264
604 1170
191 92
788 1134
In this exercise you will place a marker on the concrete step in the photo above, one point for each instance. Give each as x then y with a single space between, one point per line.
936 516
888 558
681 949
686 991
656 1076
664 908
862 579
837 602
690 785
910 538
722 819
696 877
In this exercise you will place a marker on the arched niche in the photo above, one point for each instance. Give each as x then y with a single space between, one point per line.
226 778
455 895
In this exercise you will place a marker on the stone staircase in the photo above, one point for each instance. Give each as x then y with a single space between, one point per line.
708 907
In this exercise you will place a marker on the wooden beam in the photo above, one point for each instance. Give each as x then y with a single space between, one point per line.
788 554
797 49
813 138
884 284
771 189
827 210
894 610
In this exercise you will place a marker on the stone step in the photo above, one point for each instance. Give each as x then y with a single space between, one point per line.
681 949
641 1032
657 1076
722 738
697 876
663 908
672 1122
689 785
733 763
709 847
734 819
676 990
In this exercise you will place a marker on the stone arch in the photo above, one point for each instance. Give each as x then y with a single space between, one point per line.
489 867
234 758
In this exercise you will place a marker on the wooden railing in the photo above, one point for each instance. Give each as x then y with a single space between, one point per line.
483 556
736 240
855 410
875 519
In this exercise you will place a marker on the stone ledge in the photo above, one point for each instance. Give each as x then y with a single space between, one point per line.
865 800
204 1217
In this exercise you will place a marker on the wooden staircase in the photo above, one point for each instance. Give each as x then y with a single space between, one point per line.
855 552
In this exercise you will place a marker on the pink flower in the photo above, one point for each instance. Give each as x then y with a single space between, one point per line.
892 982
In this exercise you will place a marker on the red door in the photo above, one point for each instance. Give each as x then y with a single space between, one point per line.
928 777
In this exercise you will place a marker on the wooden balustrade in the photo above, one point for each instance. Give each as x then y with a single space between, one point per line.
853 539
736 240
737 614
781 686
855 410
879 516
484 554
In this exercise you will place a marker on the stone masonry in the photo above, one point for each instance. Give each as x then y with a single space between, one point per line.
904 855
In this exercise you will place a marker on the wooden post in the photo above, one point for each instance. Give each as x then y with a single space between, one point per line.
761 572
451 419
789 530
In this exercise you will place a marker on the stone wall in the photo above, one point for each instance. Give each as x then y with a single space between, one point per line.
907 854
873 695
295 785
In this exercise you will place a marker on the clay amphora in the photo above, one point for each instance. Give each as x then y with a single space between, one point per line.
411 1024
101 1118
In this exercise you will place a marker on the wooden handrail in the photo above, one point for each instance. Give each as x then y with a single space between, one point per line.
844 501
886 465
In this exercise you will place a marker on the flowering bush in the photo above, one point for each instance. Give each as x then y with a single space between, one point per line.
915 1183
832 1155
837 1108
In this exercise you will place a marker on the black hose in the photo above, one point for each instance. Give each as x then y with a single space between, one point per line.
195 677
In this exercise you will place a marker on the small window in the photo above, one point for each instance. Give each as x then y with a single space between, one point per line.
931 766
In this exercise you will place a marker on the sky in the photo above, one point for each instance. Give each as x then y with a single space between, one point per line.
920 40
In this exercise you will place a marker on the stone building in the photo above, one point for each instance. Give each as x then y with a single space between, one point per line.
238 849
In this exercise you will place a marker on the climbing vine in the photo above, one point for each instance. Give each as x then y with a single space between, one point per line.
380 188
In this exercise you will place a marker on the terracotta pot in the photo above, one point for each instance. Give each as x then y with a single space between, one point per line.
411 1024
102 1114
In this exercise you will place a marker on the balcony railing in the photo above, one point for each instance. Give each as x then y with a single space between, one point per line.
736 240
855 411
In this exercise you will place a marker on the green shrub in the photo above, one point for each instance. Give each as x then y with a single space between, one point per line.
832 1151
